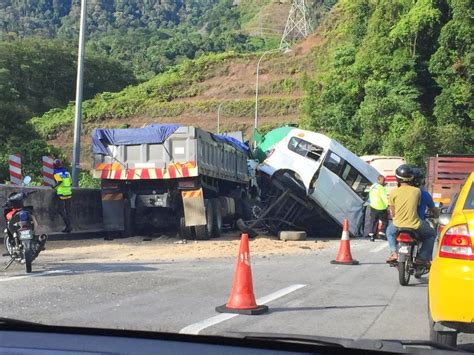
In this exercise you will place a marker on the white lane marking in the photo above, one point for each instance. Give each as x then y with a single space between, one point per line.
197 327
379 247
277 294
36 275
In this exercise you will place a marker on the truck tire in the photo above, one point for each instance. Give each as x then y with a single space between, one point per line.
128 220
204 232
292 235
185 232
217 218
227 206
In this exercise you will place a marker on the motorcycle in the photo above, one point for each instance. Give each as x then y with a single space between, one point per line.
408 249
20 240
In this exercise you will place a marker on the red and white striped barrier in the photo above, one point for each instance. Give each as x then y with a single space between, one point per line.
14 162
48 171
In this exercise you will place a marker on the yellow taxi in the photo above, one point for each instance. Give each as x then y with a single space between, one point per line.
451 279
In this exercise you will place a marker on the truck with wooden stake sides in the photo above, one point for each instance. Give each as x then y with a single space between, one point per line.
445 175
163 176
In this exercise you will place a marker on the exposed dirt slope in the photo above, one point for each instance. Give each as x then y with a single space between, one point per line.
232 83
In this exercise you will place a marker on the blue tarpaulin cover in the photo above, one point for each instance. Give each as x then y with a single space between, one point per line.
232 141
155 133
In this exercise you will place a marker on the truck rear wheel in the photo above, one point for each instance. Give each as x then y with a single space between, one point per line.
217 218
128 220
204 232
185 232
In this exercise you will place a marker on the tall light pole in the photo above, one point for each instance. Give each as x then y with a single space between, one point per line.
256 85
76 156
285 50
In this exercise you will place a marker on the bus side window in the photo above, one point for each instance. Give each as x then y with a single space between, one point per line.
355 180
362 186
334 163
305 149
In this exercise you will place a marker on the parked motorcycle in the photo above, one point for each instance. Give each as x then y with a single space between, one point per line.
20 240
408 249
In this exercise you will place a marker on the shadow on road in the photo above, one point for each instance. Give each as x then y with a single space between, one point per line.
467 347
422 282
302 309
61 269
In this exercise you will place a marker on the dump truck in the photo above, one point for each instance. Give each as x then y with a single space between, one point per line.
445 175
164 176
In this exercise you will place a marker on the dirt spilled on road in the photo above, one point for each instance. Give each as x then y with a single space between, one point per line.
170 248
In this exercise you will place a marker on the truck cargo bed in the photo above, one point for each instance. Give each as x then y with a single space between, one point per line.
186 152
446 174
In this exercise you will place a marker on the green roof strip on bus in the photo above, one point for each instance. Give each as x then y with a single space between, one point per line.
267 142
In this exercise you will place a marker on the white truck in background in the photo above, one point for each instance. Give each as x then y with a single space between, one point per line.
386 166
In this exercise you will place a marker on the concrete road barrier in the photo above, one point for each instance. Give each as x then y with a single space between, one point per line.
86 208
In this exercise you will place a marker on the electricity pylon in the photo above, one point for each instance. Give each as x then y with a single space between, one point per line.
298 24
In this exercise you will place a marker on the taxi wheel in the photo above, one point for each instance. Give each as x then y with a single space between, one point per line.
446 338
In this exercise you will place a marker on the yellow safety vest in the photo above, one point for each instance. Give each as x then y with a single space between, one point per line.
63 184
378 197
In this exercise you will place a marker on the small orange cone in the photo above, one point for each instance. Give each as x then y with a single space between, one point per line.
344 256
242 299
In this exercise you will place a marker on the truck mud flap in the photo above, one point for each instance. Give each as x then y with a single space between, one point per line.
113 211
194 209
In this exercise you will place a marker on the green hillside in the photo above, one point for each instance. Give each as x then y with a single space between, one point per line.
145 36
390 77
126 42
395 77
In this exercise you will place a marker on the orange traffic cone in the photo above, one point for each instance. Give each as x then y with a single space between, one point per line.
242 299
344 255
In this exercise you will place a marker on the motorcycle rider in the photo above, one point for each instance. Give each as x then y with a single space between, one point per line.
403 204
378 204
63 193
426 201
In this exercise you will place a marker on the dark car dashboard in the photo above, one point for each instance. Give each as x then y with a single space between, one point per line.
20 337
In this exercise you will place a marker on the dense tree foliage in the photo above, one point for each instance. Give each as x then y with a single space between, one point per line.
397 78
146 36
37 75
126 41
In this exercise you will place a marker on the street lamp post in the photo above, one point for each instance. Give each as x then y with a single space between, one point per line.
285 51
76 156
256 85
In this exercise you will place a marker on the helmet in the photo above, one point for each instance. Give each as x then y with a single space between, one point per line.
15 200
58 163
404 173
418 177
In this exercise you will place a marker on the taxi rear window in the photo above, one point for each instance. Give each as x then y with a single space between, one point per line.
469 204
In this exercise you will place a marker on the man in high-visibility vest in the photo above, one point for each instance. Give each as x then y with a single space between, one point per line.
63 193
378 202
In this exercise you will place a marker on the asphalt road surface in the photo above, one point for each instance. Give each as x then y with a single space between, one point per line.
305 294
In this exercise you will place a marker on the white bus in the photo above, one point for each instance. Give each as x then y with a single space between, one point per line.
333 177
386 166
